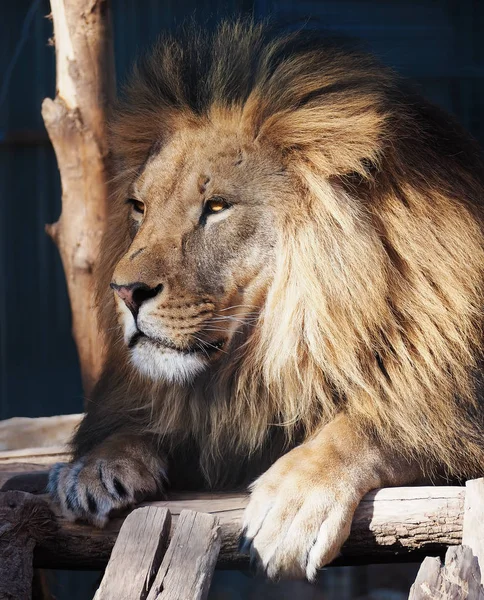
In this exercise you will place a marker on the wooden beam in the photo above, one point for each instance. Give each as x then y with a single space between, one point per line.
27 434
404 523
137 555
187 568
76 124
460 577
390 524
46 456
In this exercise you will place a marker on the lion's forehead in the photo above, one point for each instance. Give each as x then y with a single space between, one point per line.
195 156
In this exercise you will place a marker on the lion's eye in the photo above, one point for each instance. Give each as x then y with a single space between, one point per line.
215 205
137 205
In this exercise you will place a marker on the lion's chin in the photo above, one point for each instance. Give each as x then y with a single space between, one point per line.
167 365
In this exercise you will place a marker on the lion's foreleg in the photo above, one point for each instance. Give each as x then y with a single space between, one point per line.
301 509
122 469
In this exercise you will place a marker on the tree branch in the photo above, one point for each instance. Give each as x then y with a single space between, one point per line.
390 524
76 124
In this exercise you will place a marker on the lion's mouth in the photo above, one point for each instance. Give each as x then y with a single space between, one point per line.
199 347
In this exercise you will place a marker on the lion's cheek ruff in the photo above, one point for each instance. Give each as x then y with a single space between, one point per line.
321 309
385 327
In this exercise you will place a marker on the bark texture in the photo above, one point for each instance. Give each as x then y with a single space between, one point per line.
24 519
390 524
137 555
188 566
76 124
459 578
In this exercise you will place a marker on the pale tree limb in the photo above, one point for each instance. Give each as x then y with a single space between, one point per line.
76 123
390 524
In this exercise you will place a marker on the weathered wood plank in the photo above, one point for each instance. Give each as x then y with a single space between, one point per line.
39 456
428 579
473 528
20 433
459 578
137 555
80 546
187 568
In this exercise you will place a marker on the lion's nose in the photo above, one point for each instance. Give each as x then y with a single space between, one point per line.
134 294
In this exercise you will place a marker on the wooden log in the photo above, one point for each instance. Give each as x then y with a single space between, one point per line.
187 568
459 578
37 456
390 524
80 546
406 520
10 472
20 433
76 124
137 555
24 519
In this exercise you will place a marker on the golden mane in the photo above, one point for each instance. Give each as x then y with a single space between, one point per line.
376 305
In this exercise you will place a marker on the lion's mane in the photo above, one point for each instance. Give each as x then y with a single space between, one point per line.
376 304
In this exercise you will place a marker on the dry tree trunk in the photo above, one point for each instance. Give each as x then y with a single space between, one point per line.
76 123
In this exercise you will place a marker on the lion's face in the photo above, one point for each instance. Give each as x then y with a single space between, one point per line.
203 226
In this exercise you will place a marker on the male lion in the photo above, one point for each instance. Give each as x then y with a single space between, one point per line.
295 251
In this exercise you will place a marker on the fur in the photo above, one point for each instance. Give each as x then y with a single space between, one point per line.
379 278
358 243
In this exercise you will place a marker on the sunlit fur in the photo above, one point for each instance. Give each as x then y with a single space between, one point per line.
375 307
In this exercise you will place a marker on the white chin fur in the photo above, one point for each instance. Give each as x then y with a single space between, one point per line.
169 365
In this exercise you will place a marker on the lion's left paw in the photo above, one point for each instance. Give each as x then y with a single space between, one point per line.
295 524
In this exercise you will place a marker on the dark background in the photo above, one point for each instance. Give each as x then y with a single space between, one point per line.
437 43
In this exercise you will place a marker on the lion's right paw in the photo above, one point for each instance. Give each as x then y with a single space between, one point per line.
90 488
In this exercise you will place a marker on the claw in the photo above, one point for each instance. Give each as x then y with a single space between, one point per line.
53 482
254 562
91 503
119 487
245 542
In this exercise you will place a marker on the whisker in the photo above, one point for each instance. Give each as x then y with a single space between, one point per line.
206 343
247 314
239 306
235 319
252 315
114 328
200 345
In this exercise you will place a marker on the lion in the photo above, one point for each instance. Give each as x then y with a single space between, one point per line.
291 290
